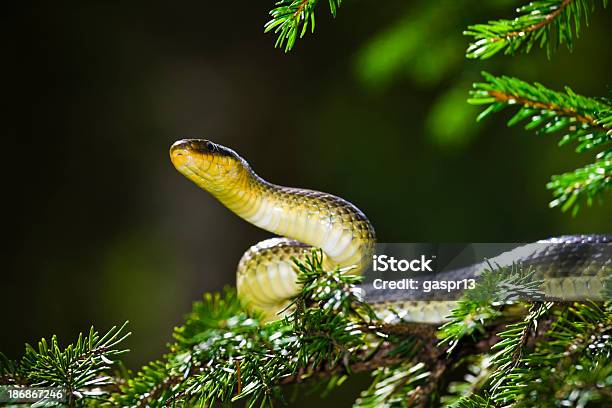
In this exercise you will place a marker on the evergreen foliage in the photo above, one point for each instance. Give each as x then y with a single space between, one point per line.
497 287
291 19
580 120
392 386
225 353
79 368
585 121
547 23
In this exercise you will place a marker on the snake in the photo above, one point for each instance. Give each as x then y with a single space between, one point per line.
303 219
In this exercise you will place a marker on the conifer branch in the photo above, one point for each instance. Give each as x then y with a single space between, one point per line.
225 353
82 368
558 353
394 386
483 305
582 120
548 23
291 18
578 340
331 333
327 331
583 184
550 110
509 359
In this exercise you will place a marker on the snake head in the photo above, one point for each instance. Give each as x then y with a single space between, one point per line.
211 166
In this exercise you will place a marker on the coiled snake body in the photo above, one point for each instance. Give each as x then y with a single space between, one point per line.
303 218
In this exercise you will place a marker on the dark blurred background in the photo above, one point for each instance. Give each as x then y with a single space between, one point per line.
371 107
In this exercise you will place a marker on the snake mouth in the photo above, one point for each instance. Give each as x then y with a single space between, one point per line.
179 157
184 153
207 164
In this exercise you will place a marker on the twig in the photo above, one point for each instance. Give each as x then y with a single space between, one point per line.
547 20
586 119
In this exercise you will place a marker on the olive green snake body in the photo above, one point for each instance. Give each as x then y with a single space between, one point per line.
302 219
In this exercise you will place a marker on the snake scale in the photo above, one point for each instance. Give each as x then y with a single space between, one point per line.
304 219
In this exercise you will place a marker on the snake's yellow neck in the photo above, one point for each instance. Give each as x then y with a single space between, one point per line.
311 217
317 219
247 195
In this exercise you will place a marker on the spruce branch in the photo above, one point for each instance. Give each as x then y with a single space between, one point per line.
583 184
478 371
547 109
482 306
547 23
509 360
570 363
393 386
11 372
557 356
582 120
81 368
291 18
225 352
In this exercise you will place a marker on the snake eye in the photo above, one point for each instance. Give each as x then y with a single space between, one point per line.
210 146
